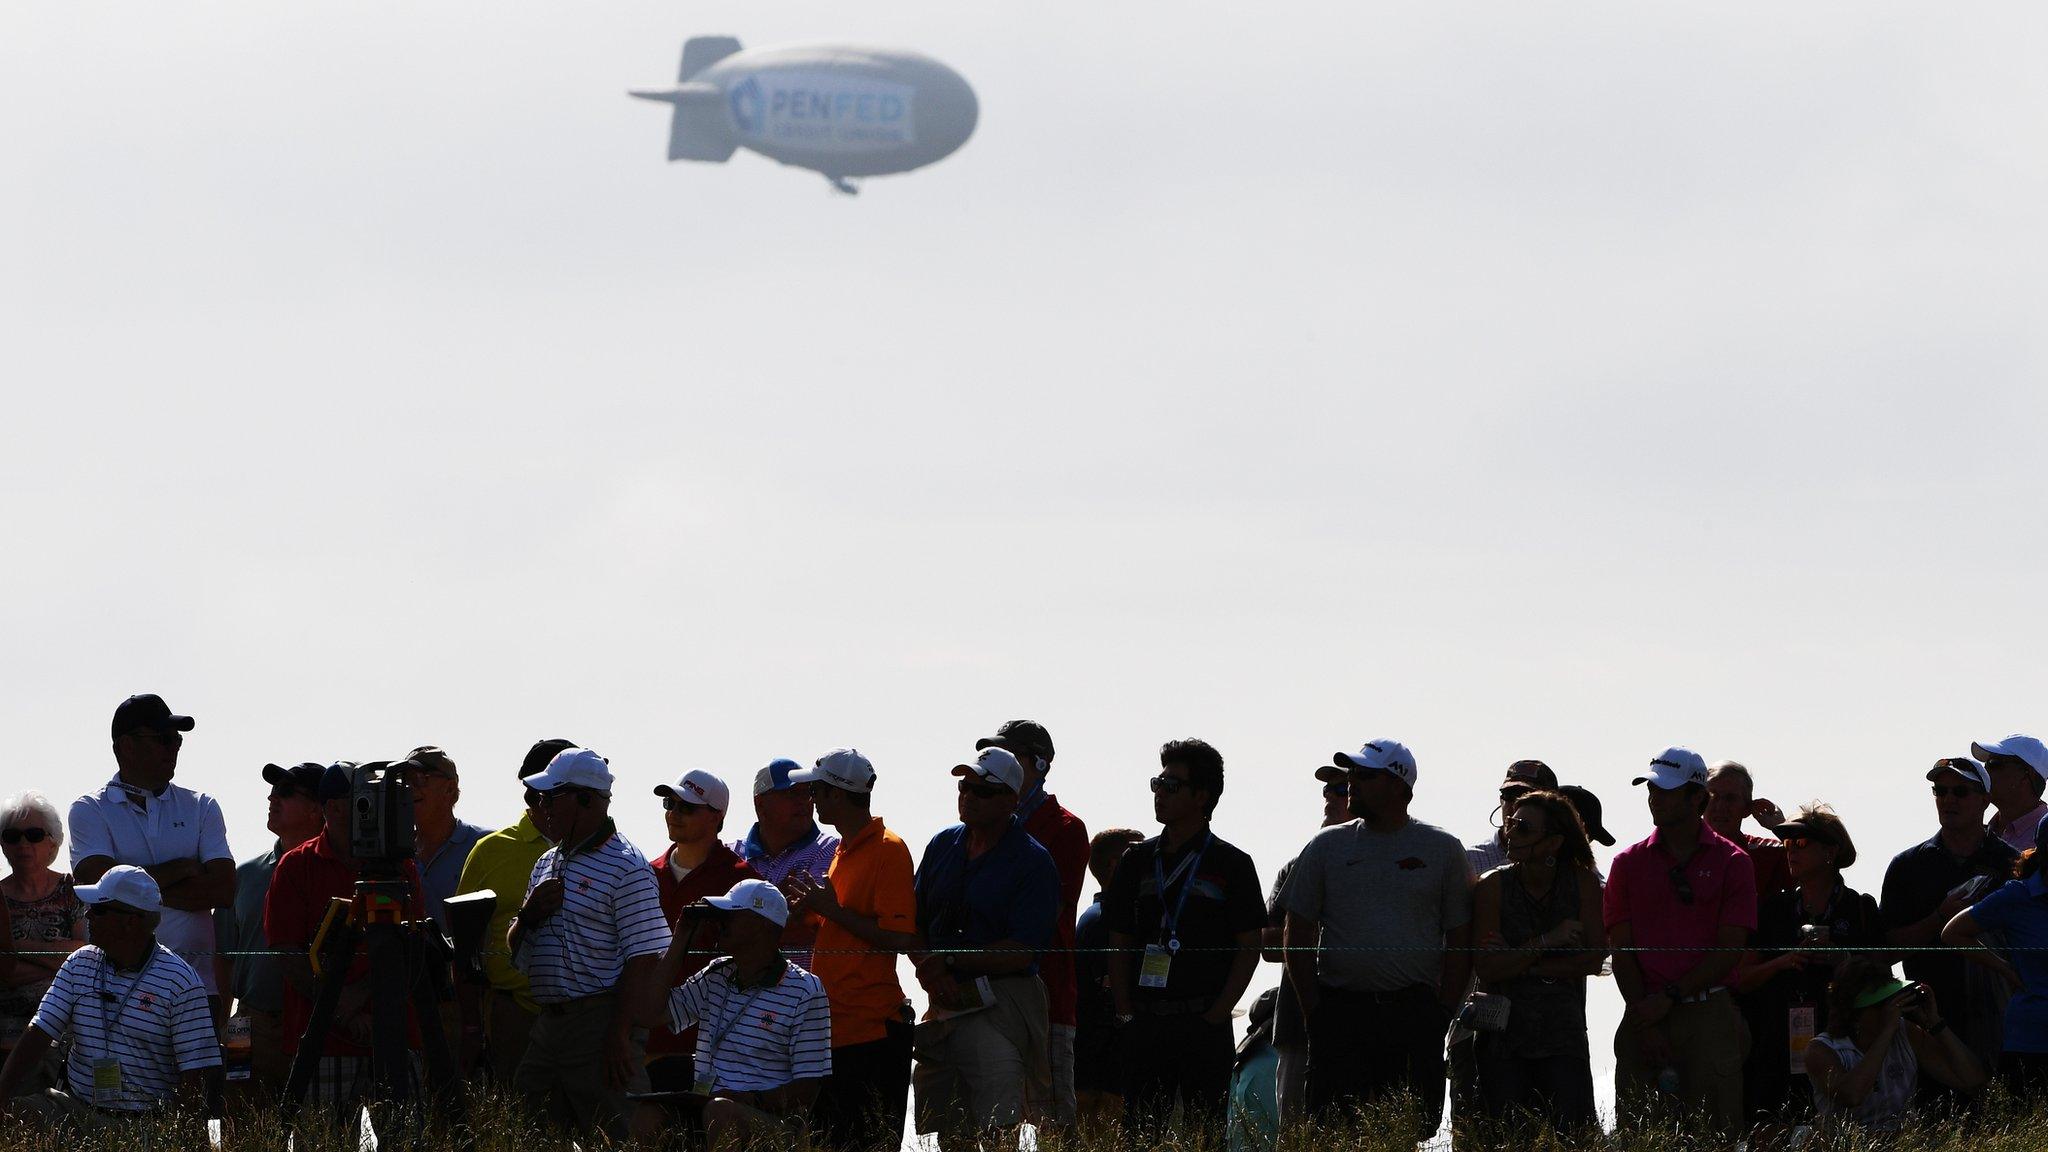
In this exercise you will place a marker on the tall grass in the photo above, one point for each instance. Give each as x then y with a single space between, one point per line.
496 1124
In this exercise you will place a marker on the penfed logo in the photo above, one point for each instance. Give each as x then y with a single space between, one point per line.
746 106
810 109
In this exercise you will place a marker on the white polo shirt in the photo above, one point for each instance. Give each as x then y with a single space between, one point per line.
755 1039
129 826
154 1024
611 912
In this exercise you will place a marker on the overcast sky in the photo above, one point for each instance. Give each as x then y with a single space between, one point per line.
1510 381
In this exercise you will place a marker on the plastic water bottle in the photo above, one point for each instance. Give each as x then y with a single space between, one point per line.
1667 1080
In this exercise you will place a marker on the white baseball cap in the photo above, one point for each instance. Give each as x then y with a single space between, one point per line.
2017 746
1674 768
757 896
576 768
995 764
1962 766
1389 756
841 768
698 787
124 884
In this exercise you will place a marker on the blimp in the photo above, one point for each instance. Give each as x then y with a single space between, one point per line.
841 111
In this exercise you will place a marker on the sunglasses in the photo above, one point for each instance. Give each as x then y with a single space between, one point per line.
1959 791
1682 884
535 798
984 791
17 835
1167 785
1802 842
1516 824
98 910
671 804
1340 788
167 739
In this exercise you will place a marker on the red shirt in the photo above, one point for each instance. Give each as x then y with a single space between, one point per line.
307 877
1061 833
1773 875
722 868
1642 893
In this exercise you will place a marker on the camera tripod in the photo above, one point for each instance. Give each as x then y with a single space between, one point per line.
406 960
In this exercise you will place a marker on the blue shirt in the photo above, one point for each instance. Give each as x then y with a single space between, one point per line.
1010 892
2019 909
443 871
259 980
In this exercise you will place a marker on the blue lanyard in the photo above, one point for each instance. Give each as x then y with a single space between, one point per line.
1169 922
107 1025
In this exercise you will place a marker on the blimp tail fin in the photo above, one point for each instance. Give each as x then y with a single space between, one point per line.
701 52
699 129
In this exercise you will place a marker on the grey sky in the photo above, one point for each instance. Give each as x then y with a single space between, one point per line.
1510 381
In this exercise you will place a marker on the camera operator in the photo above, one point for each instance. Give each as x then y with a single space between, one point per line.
764 1025
307 878
128 1063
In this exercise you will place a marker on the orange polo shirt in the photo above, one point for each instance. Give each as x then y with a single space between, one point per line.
871 874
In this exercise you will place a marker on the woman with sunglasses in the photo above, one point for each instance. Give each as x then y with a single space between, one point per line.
45 918
1539 919
1784 982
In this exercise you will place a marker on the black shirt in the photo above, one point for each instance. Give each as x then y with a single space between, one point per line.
1225 900
1851 920
1915 884
1094 1008
1289 1029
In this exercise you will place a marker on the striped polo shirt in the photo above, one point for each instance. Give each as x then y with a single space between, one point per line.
810 853
755 1039
157 1029
611 912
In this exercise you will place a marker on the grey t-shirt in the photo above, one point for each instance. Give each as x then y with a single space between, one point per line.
1395 892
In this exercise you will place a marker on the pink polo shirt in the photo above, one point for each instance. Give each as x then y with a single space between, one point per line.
1642 894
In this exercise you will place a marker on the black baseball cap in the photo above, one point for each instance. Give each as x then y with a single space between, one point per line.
1530 773
303 776
148 711
537 757
1587 806
1027 735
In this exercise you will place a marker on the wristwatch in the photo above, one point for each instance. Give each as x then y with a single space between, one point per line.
1672 993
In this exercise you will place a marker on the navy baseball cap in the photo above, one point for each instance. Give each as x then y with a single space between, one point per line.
337 780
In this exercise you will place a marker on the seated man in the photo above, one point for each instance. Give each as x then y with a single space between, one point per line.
764 1025
136 1013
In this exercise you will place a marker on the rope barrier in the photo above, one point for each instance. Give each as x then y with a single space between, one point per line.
1870 949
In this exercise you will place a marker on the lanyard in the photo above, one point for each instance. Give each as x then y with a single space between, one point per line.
1169 922
106 1024
1034 799
716 1040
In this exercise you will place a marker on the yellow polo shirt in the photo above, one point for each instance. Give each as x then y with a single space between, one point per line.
503 862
